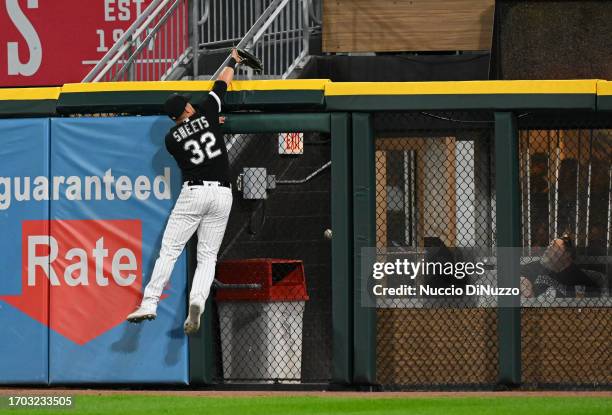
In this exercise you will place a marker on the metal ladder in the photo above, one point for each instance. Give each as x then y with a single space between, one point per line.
189 39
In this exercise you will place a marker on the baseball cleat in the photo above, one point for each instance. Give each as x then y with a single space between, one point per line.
192 323
141 314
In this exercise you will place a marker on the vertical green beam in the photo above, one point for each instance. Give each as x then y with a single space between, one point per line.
364 224
202 344
342 245
508 217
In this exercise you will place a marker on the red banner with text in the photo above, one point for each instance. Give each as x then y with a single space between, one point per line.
52 42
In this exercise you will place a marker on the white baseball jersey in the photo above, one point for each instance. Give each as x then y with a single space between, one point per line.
204 203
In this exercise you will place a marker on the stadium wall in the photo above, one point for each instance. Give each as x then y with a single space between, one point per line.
51 126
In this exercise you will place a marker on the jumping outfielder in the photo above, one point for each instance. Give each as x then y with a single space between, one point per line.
197 144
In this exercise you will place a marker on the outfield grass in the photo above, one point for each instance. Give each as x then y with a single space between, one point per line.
181 405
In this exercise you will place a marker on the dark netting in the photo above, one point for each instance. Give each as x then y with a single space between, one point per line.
279 329
435 189
565 174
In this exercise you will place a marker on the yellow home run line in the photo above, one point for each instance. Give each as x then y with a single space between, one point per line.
462 87
604 88
599 87
267 85
29 94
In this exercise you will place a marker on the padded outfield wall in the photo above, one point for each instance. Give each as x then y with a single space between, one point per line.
85 198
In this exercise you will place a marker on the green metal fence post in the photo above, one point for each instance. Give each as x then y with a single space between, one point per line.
364 222
342 253
508 219
202 344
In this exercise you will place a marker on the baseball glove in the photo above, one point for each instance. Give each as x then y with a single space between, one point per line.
250 60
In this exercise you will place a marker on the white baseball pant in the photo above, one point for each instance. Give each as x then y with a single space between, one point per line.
203 208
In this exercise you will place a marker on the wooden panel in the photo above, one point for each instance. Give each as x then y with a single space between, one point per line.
567 346
416 25
459 346
436 346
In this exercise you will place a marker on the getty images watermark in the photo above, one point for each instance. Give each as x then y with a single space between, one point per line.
475 277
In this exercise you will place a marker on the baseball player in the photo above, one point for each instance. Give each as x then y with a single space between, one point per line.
204 204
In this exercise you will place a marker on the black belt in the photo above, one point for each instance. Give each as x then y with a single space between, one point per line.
201 182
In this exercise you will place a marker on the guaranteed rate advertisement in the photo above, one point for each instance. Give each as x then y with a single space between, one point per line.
24 320
86 233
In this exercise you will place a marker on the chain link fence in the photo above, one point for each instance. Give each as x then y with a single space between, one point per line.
435 196
566 182
277 328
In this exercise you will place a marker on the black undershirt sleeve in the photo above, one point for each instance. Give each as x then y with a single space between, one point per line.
214 99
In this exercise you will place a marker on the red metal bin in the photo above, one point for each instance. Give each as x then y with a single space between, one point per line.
261 329
280 280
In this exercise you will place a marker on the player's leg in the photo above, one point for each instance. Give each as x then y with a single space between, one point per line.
183 222
210 235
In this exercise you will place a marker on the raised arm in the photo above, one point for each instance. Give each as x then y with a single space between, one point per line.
227 74
213 102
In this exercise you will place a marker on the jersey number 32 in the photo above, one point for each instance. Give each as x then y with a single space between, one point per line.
207 140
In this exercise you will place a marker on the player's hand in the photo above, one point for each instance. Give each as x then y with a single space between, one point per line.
236 56
221 120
